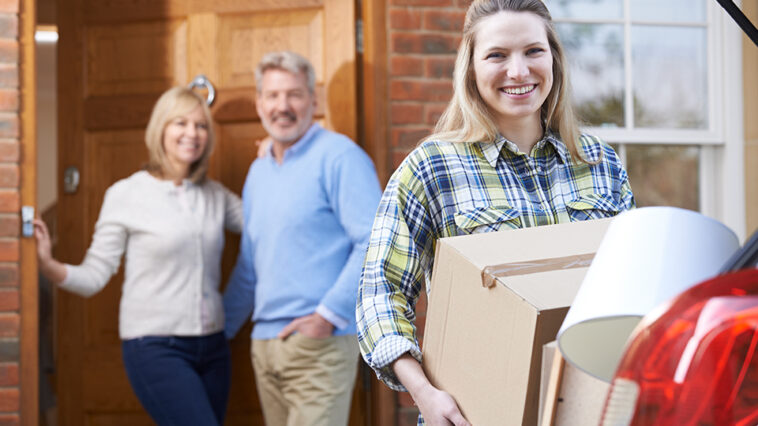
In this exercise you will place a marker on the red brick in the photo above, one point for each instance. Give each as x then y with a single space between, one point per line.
10 350
9 75
8 100
9 151
9 201
408 138
403 65
8 51
438 3
405 19
406 43
407 113
9 374
9 225
9 420
405 90
443 20
8 125
9 300
8 25
9 176
440 43
10 6
440 67
9 250
424 43
9 325
9 275
9 400
434 112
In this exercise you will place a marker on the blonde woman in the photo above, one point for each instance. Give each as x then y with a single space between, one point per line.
506 154
169 219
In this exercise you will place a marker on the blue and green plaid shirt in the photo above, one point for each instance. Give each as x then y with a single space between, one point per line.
446 189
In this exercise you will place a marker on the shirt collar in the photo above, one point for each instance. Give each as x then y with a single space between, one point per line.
491 150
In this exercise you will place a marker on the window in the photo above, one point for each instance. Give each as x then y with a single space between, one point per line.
661 81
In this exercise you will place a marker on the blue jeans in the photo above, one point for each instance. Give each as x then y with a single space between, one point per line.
180 380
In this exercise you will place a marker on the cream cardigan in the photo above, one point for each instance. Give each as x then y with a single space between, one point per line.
173 237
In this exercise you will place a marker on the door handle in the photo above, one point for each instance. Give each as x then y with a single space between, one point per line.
70 180
202 81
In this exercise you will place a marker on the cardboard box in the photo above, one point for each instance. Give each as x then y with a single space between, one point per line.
495 300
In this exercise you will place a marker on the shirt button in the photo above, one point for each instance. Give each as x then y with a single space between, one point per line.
539 169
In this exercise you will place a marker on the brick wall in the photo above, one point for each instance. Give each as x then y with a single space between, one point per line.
10 157
422 40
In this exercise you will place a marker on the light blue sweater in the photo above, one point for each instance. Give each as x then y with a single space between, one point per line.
307 223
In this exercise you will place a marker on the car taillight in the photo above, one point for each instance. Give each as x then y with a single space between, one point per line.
693 361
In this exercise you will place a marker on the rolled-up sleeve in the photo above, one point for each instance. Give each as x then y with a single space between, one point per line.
399 253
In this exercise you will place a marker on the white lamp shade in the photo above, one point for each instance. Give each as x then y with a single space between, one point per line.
647 256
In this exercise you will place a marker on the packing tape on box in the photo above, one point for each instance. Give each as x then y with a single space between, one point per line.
491 273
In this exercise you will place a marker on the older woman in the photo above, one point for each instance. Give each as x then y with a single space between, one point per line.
506 154
170 220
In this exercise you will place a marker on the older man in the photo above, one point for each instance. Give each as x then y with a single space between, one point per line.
308 205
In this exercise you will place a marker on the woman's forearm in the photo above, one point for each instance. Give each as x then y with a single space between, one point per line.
53 270
411 374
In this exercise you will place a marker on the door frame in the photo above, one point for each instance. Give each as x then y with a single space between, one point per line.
374 134
29 307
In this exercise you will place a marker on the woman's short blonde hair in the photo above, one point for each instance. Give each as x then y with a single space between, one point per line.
467 117
176 102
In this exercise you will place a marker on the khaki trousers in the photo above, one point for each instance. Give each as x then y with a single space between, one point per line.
303 381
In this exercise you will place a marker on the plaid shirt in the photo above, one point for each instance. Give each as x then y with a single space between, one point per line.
446 189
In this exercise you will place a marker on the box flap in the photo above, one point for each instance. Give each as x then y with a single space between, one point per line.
528 244
547 290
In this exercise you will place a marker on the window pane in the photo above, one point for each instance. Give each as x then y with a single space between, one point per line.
670 77
663 175
668 10
586 9
595 54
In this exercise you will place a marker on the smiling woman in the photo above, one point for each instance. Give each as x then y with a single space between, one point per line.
170 221
505 154
513 68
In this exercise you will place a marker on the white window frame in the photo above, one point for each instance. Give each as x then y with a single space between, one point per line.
722 175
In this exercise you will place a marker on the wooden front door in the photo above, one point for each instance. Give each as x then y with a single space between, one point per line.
115 58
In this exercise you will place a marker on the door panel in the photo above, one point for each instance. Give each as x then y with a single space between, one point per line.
135 58
120 55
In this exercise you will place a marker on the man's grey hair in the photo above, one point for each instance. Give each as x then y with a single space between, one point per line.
287 61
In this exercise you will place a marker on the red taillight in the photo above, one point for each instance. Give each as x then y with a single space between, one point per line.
693 361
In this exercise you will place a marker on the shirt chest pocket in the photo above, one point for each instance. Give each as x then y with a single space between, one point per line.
592 206
487 219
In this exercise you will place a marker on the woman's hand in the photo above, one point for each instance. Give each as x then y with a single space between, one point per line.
263 146
44 245
50 268
437 406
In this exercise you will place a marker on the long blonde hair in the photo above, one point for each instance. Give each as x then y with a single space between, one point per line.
174 103
467 117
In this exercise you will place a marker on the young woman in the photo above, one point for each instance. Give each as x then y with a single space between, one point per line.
506 154
170 221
